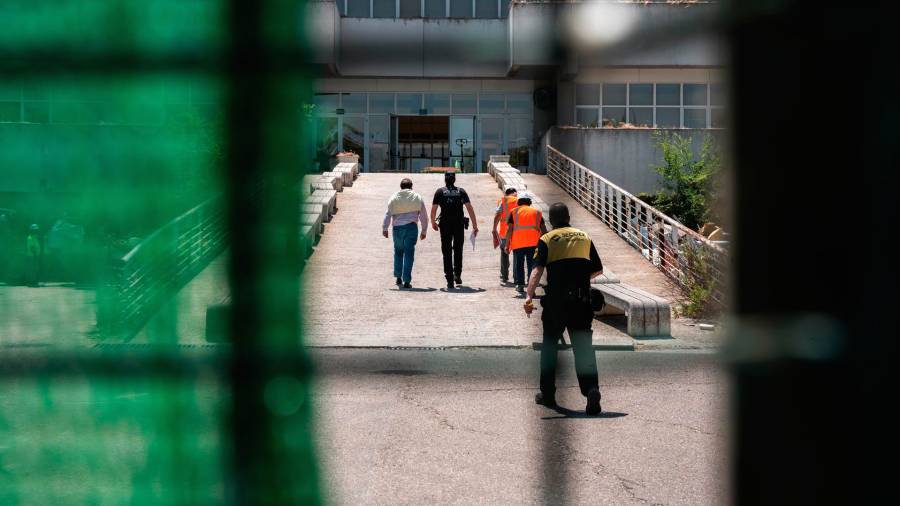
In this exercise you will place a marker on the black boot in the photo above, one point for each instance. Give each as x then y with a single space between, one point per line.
549 402
593 403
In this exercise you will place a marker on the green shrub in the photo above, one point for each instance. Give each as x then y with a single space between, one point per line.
688 182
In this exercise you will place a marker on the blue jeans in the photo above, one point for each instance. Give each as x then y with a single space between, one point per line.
521 257
405 237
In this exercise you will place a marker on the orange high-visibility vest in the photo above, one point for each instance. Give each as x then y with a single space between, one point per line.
506 204
526 231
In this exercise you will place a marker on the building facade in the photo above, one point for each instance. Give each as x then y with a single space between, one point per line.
409 84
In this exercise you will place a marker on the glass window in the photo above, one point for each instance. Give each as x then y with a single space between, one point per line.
519 138
460 8
490 103
640 94
326 103
612 116
342 7
410 8
717 117
694 94
695 118
381 102
379 142
463 103
384 8
518 103
585 116
435 8
504 8
587 94
716 94
358 8
486 9
668 117
409 103
668 94
354 135
437 103
353 102
640 116
613 94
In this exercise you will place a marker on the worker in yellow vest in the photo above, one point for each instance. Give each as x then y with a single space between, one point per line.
525 227
505 205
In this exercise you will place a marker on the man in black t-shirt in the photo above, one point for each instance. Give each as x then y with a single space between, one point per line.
451 200
571 261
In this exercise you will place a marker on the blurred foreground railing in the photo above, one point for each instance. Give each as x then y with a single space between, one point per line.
692 261
151 273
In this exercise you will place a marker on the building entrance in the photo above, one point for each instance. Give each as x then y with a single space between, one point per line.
419 141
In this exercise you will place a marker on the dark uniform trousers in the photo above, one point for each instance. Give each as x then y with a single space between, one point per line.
576 317
452 242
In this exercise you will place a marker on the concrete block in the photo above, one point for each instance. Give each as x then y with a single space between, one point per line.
647 314
313 220
328 197
319 208
335 178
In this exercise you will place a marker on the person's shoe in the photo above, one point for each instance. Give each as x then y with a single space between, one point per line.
407 285
450 285
593 403
399 282
504 279
520 288
458 280
539 399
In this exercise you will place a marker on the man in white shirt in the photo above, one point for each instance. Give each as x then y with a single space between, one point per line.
405 208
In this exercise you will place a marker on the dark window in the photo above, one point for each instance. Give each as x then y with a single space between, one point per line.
435 8
460 8
358 9
486 9
668 94
410 8
384 8
613 94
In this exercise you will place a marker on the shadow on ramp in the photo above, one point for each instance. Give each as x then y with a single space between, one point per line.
413 289
566 413
463 289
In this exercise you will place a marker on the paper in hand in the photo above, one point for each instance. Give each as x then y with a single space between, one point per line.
472 239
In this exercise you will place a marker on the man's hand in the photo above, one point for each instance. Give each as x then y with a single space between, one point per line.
384 233
475 230
529 306
434 226
496 238
422 236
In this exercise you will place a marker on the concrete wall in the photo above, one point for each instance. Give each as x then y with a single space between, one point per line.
529 38
423 47
623 156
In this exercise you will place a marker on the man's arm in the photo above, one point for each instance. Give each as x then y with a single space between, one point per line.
434 208
543 226
536 274
423 221
509 231
471 211
496 220
386 223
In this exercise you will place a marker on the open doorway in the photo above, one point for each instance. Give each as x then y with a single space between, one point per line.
419 141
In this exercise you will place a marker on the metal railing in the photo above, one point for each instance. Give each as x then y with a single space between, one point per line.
153 271
685 256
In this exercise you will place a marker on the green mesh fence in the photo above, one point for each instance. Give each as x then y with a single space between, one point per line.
117 117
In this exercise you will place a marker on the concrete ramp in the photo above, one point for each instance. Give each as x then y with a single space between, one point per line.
349 294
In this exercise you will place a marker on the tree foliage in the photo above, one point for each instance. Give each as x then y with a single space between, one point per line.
688 182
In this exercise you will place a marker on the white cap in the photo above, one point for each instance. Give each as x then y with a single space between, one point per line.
526 195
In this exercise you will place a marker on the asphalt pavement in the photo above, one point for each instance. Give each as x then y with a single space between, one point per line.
461 427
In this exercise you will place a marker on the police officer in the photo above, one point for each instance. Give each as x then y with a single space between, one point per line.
507 203
571 261
451 200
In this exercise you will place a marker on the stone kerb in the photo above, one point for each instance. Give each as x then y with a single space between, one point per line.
348 170
335 178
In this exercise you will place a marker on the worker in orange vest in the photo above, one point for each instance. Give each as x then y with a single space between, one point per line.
524 230
505 205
